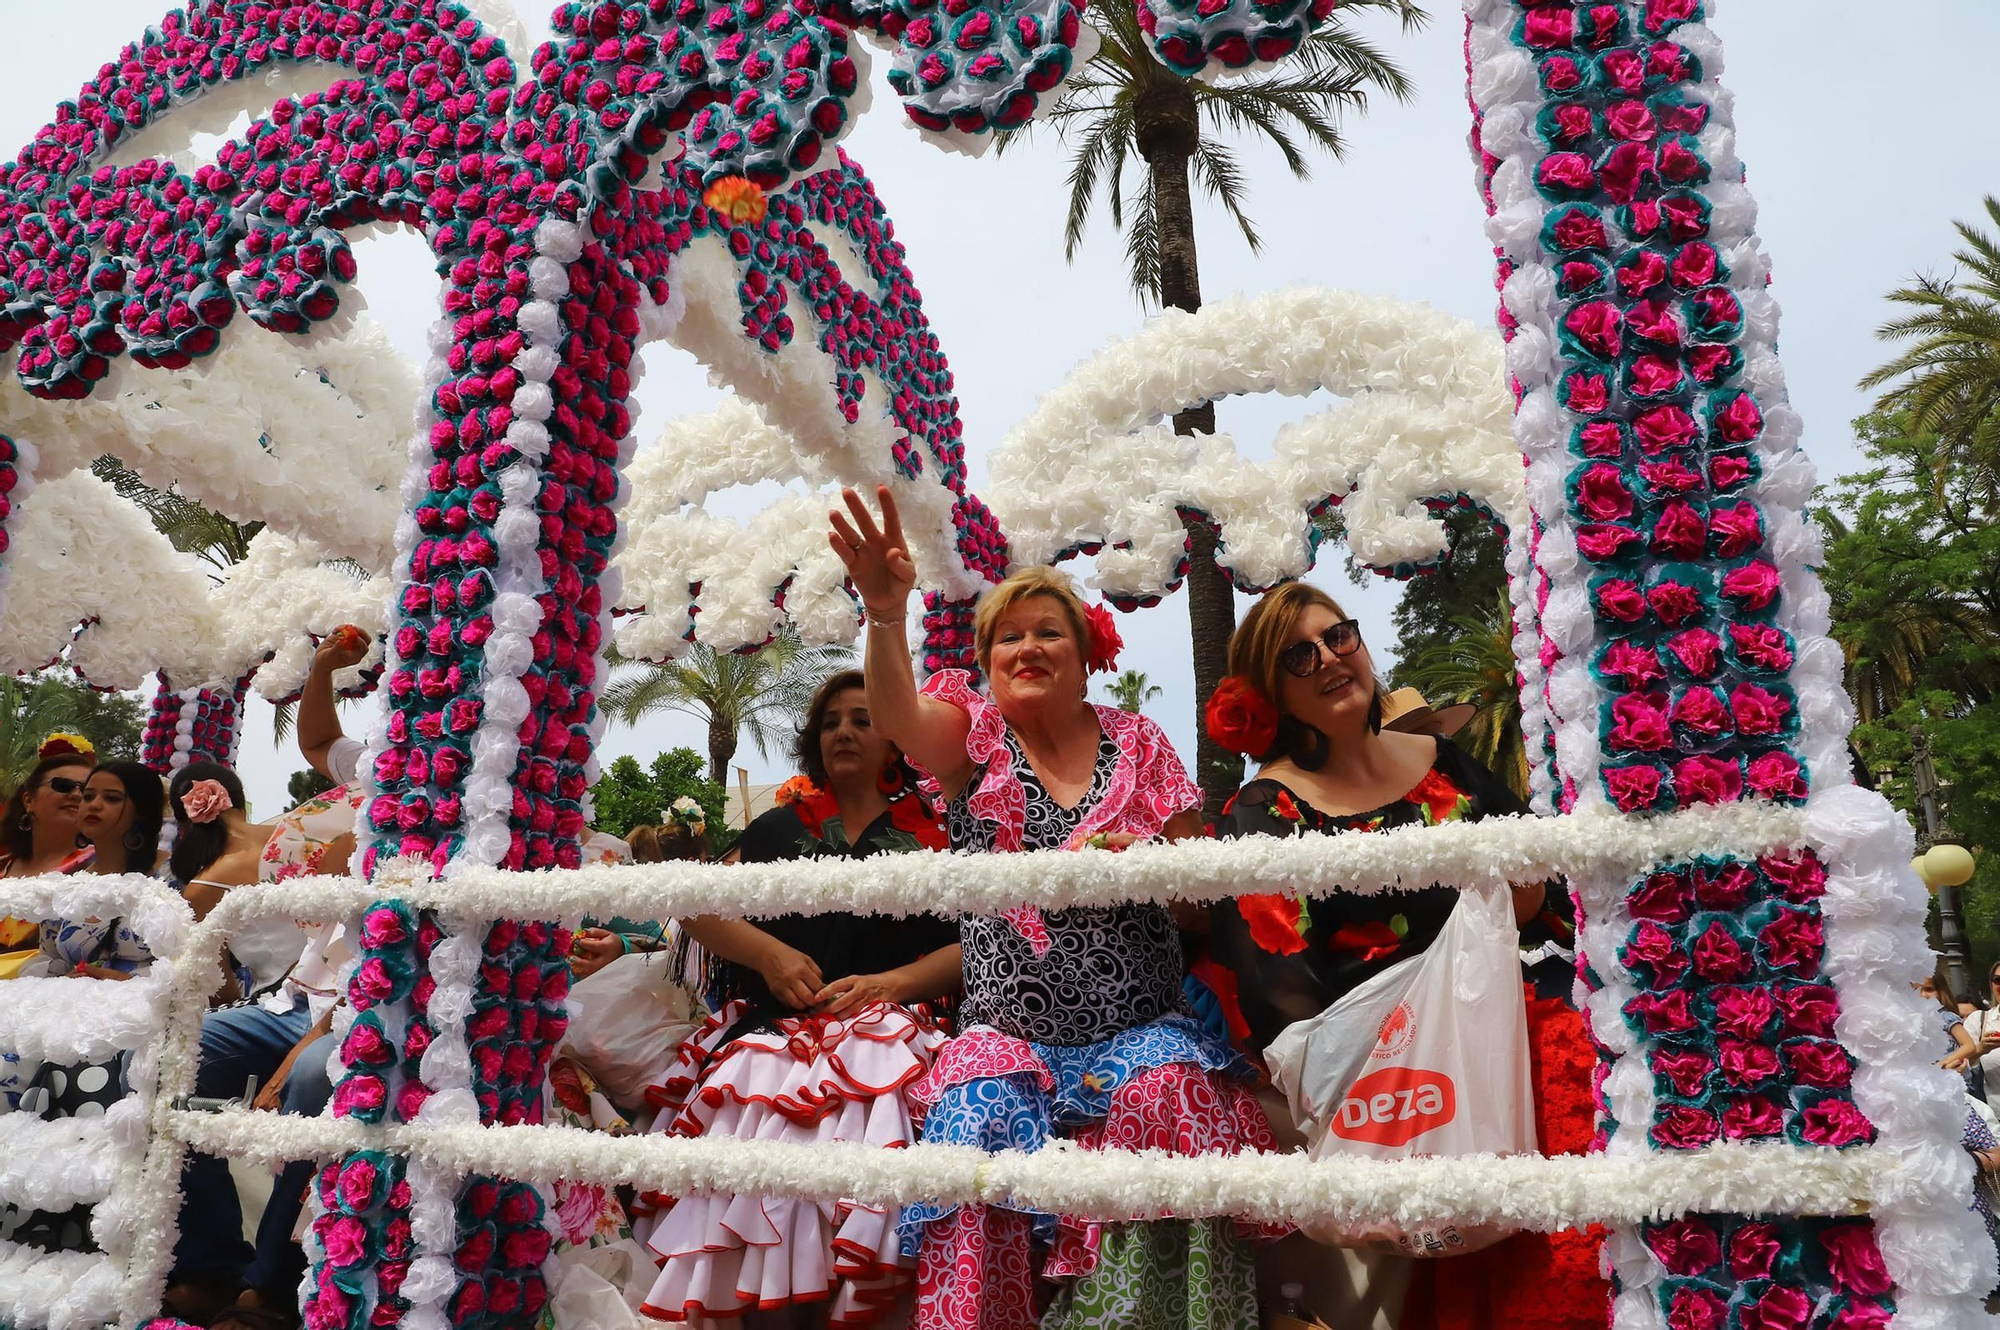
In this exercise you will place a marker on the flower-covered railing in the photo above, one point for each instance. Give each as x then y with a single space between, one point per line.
382 1162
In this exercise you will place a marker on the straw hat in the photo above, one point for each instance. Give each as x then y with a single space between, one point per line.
1405 709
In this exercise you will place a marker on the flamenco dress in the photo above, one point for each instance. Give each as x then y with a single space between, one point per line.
1275 960
758 1071
1074 1026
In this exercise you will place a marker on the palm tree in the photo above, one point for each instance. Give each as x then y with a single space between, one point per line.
763 693
1124 105
188 526
1948 382
1132 690
1477 666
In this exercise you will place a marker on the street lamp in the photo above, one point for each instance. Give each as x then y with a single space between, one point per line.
1944 866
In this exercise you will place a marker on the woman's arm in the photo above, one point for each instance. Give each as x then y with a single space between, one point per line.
930 732
792 976
938 974
1964 1053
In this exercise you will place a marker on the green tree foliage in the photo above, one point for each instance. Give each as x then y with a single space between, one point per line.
764 693
32 708
628 795
1131 691
1946 380
1438 604
191 528
1913 571
1473 661
304 784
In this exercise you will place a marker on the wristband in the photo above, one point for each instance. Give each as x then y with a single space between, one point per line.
624 944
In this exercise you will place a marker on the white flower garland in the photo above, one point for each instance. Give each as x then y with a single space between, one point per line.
1429 417
1524 1191
1482 856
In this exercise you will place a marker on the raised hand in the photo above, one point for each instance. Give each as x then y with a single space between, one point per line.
344 646
877 558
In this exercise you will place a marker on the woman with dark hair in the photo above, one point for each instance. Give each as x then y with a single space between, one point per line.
825 1021
1303 700
38 826
122 806
1959 1050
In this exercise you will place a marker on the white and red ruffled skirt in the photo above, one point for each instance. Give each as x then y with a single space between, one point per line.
813 1080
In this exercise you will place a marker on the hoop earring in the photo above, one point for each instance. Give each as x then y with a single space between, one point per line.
134 842
27 822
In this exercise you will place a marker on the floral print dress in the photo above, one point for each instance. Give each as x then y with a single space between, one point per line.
1074 1025
758 1071
1276 960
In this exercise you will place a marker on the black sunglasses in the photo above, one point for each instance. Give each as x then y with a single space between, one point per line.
1301 659
64 784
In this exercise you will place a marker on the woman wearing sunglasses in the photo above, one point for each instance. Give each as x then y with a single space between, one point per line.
38 834
1303 701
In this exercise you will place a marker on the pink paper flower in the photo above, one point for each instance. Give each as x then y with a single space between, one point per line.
356 1187
1707 780
1632 664
1684 1128
1695 266
1781 1308
1723 887
1794 940
1727 470
1620 601
1745 1012
1697 1308
1761 645
1575 230
1663 429
1655 375
1740 421
1835 1123
1674 602
1701 713
1630 120
1588 393
1640 273
1662 1013
1597 326
1663 897
1753 1251
1758 710
1602 438
346 1241
1633 789
1698 650
1679 532
1753 586
1738 529
1720 958
1603 541
1809 1009
1752 1117
1654 947
1686 1070
382 928
1820 1063
1601 494
1639 723
1777 775
1862 1314
1685 1246
1854 1259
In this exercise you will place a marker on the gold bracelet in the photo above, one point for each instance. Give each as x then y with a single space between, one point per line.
876 621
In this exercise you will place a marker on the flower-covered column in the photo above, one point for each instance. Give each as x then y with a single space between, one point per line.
192 725
1684 634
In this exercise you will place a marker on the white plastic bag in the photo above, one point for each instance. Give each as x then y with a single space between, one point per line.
1429 1057
627 1022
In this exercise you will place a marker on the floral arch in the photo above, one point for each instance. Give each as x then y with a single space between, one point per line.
671 169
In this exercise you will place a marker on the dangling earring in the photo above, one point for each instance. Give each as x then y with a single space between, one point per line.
890 781
27 822
134 841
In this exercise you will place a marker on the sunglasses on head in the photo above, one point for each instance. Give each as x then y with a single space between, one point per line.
1301 659
64 784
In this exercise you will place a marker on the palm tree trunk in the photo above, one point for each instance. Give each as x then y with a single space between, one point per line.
721 747
1167 128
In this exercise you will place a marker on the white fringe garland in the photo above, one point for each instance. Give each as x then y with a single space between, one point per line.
1524 1191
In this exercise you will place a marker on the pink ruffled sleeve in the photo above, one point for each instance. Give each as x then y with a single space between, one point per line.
999 798
1163 781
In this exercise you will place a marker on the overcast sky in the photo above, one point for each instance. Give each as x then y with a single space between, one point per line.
1865 139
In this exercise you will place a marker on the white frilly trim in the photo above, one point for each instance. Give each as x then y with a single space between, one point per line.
56 1290
58 1163
1428 417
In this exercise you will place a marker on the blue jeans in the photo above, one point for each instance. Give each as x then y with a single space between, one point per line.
236 1044
281 1262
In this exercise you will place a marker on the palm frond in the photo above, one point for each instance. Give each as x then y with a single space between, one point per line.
1215 170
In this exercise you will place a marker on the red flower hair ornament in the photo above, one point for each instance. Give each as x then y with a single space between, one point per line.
1240 718
1105 644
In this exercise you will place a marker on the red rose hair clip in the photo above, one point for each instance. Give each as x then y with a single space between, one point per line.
1240 718
1105 644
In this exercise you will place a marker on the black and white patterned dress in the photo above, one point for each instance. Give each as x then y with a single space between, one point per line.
1105 970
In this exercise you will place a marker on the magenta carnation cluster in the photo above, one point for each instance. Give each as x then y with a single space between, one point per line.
199 724
1730 1273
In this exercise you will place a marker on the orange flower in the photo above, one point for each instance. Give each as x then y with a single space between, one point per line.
1278 924
1285 808
737 199
793 790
